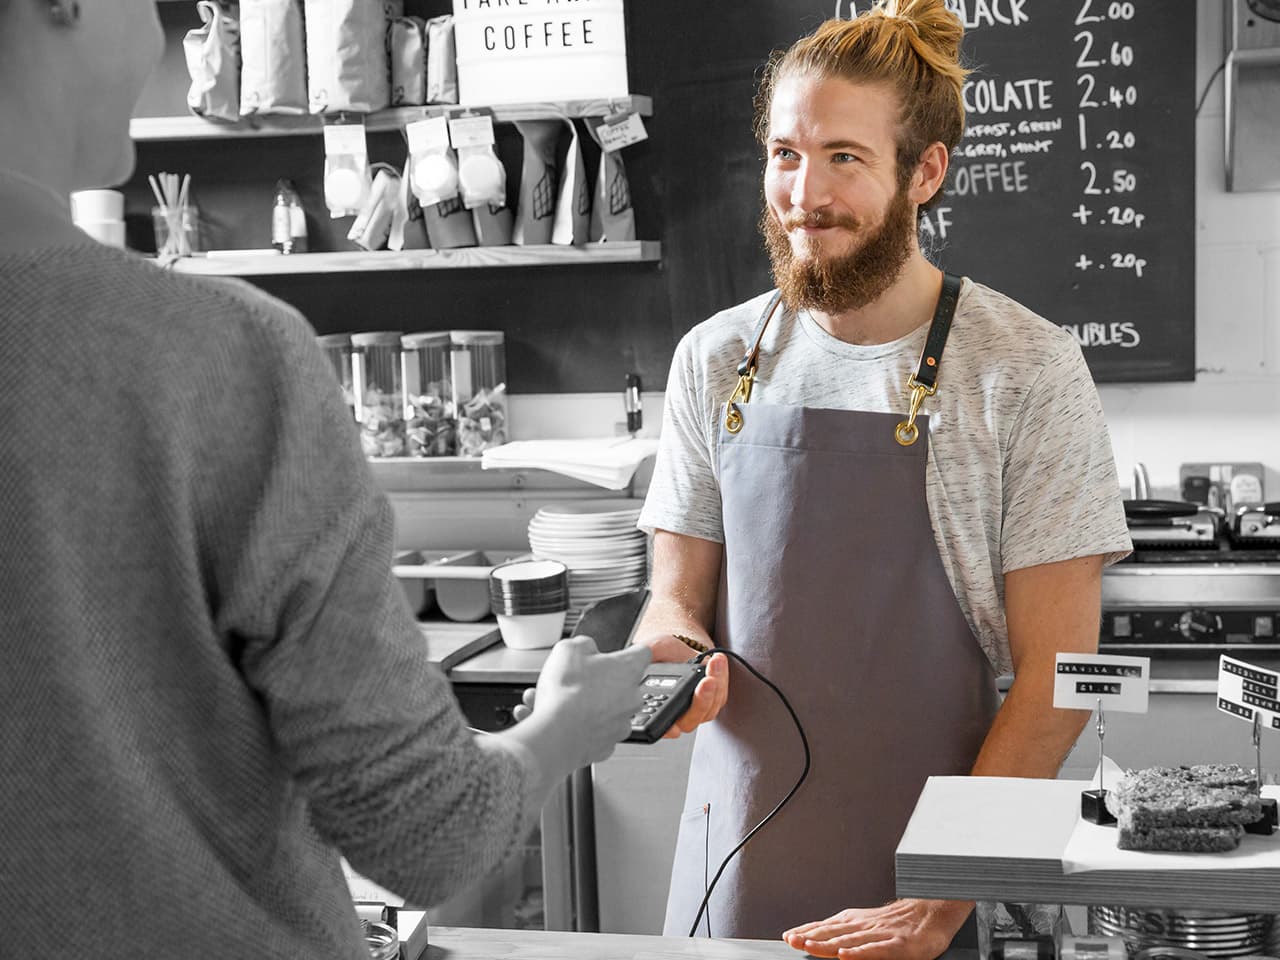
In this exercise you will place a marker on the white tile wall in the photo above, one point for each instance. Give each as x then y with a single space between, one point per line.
1231 412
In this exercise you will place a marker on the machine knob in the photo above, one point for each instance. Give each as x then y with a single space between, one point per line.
1199 626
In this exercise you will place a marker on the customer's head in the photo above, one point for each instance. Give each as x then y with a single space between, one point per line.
909 46
71 72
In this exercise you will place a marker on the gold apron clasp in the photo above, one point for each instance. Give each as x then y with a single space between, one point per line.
907 432
741 394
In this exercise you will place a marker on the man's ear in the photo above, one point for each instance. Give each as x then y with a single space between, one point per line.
930 172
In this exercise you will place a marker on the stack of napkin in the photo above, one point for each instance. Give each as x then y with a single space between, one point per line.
608 463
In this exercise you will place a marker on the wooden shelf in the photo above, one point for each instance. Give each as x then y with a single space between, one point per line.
197 128
543 255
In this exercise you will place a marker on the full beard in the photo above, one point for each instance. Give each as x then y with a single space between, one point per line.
850 281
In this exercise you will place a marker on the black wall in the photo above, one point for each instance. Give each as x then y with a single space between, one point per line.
696 188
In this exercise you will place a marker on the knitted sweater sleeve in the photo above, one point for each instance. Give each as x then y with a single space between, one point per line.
296 551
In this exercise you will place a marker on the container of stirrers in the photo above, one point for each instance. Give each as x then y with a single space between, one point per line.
175 218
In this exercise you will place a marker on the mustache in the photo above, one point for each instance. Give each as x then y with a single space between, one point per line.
818 219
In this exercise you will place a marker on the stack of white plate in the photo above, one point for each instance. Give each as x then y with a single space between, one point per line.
599 543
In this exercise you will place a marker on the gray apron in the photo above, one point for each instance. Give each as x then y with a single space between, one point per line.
831 587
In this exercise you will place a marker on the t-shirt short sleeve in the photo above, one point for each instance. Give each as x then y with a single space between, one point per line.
1062 498
684 494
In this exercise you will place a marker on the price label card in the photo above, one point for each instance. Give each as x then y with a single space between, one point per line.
621 130
428 136
1083 679
471 131
1244 690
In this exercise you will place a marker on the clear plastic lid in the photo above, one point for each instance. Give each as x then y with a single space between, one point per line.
335 340
477 338
378 338
415 341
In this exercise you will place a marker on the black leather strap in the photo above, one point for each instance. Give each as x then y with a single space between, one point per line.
936 342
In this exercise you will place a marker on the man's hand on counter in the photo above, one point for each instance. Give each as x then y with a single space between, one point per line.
900 930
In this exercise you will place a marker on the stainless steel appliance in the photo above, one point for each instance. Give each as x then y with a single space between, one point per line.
1197 583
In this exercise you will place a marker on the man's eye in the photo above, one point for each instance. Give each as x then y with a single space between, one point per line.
844 158
783 153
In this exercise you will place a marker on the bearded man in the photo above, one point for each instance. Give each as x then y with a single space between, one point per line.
882 487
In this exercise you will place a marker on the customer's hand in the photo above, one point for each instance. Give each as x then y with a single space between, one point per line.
585 699
712 691
900 930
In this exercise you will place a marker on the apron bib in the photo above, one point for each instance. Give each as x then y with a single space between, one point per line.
831 587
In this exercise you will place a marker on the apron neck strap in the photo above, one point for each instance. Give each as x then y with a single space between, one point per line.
747 365
922 383
926 374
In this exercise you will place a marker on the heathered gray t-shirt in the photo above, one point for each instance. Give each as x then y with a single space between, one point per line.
1020 469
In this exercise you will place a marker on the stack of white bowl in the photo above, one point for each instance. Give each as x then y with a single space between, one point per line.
599 543
100 214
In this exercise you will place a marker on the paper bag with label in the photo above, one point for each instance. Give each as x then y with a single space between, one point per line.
573 205
408 48
212 52
273 58
449 225
539 174
442 61
347 64
372 226
612 217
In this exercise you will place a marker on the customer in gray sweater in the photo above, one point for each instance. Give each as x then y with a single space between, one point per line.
211 685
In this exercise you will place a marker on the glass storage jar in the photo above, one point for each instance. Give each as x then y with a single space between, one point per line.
430 424
382 940
376 382
479 389
337 347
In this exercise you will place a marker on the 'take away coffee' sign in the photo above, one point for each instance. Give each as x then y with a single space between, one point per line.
523 51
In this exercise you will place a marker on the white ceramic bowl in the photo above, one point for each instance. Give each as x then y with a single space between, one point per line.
466 600
531 631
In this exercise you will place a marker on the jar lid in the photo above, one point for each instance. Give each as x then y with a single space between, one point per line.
437 338
476 337
335 340
378 338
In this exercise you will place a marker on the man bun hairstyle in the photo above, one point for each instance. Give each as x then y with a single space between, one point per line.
911 46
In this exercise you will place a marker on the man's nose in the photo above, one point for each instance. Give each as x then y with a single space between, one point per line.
810 190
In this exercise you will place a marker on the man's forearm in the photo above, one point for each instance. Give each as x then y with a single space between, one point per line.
1029 738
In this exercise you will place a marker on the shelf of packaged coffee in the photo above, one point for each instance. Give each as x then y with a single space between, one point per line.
998 838
197 128
541 255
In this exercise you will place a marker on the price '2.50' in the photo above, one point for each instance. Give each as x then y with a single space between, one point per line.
1122 181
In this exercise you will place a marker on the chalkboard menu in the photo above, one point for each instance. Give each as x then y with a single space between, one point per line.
1073 190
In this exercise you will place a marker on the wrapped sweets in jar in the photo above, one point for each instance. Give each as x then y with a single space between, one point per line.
479 389
337 347
430 425
376 382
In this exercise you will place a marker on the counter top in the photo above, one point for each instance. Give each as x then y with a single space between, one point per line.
468 943
496 663
976 838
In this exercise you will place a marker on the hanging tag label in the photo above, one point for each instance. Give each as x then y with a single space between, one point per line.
471 131
1082 679
621 130
428 136
1244 690
348 138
